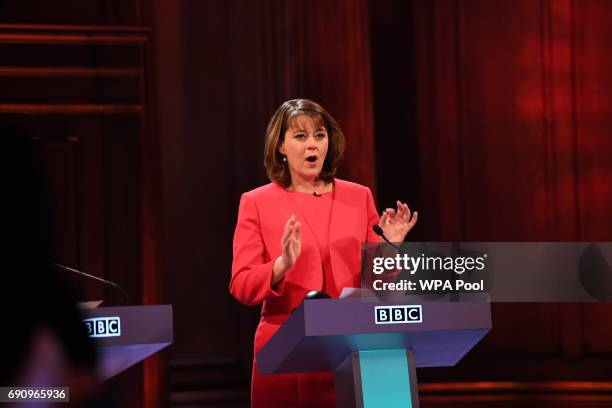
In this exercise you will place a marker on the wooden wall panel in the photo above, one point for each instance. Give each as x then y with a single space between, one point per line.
76 78
66 12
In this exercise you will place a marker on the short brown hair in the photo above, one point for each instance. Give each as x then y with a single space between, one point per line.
278 171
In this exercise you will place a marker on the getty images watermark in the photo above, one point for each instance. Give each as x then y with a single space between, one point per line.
505 271
383 266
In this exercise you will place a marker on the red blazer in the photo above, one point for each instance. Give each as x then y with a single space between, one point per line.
262 215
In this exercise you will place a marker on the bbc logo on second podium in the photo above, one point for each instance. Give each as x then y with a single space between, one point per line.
103 326
398 314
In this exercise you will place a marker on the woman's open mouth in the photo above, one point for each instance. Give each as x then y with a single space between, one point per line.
312 160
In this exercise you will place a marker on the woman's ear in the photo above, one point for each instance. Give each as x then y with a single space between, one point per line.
281 148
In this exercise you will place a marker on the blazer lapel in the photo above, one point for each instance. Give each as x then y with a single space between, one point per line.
345 213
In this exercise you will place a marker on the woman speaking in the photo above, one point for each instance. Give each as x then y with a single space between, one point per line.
302 232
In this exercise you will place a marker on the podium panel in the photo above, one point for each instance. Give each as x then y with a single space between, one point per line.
373 346
126 335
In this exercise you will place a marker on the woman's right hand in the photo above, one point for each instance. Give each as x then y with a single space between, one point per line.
291 246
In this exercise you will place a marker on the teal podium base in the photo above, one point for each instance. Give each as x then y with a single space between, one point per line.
377 379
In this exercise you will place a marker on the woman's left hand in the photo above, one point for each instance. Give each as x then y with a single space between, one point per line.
396 224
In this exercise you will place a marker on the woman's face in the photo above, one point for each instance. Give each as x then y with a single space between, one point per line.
305 145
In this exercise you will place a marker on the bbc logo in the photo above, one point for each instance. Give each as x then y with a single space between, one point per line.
103 326
398 314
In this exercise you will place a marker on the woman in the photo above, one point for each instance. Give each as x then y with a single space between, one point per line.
302 232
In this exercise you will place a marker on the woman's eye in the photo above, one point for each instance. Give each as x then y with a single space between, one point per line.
320 135
299 136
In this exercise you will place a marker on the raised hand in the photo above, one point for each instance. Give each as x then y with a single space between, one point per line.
291 247
396 224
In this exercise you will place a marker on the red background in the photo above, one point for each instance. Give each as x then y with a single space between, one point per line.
492 118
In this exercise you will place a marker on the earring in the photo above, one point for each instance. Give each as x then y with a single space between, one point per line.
284 158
